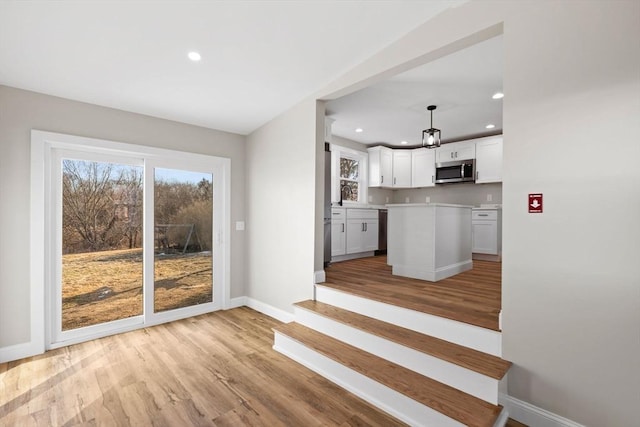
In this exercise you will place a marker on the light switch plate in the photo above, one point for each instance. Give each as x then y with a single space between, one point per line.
489 197
407 199
239 225
428 199
370 199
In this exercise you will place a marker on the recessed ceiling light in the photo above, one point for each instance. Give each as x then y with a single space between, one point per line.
403 142
194 56
359 130
498 95
490 126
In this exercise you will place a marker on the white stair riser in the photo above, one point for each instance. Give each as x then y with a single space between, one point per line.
470 382
388 400
471 336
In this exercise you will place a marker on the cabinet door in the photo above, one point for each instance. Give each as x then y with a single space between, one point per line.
465 150
380 166
338 238
485 237
386 167
456 151
489 160
423 167
370 235
445 153
355 230
402 168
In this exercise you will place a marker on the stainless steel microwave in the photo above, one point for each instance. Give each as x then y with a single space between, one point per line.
458 171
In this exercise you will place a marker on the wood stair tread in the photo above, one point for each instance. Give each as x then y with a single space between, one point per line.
483 363
483 319
447 400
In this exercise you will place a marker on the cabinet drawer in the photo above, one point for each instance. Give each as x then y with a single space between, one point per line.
489 215
362 213
338 213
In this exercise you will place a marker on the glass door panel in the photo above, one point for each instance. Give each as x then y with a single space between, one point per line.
101 244
183 239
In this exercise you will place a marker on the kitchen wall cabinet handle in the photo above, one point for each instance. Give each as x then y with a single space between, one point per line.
394 180
451 155
433 179
342 227
365 226
477 175
483 214
381 179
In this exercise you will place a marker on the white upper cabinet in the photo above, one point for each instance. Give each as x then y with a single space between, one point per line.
423 167
489 160
402 168
464 150
380 167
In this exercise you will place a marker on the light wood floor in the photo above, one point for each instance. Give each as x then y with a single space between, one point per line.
216 369
472 297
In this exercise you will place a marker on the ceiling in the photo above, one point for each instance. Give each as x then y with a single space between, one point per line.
461 86
259 58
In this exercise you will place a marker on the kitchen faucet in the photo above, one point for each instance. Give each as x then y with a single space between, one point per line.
342 189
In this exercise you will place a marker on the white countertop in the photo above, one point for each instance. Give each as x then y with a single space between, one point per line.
335 206
487 208
410 205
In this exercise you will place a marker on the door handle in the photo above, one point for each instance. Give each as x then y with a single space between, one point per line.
381 179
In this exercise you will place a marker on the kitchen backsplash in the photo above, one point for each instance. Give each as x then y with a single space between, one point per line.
462 194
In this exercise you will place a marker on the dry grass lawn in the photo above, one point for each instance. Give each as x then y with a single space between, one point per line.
104 286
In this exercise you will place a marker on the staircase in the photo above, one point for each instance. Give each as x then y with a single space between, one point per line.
423 369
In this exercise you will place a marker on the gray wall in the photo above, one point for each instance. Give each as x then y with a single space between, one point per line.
20 112
571 277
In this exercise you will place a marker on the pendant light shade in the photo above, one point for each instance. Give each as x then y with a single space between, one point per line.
431 136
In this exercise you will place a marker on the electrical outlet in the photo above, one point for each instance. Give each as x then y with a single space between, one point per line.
370 199
386 199
427 199
407 199
489 197
239 225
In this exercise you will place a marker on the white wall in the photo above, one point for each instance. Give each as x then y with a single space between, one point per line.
571 276
282 209
20 112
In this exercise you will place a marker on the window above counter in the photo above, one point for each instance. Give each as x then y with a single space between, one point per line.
349 172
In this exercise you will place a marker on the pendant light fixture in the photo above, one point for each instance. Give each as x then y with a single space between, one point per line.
431 136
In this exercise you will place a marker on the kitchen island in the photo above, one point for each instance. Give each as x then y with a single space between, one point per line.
429 241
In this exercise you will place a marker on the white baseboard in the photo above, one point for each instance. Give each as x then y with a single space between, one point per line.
235 303
531 415
269 310
20 351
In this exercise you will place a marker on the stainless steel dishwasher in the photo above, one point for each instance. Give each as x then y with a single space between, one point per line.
382 232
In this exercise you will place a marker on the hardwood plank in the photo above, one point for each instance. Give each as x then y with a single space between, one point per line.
486 364
472 297
451 402
214 369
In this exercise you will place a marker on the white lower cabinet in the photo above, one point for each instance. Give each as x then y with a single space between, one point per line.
486 231
338 231
353 231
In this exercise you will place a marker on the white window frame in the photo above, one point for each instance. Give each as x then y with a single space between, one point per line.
338 152
46 149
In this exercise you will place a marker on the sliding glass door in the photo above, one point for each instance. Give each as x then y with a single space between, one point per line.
132 241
